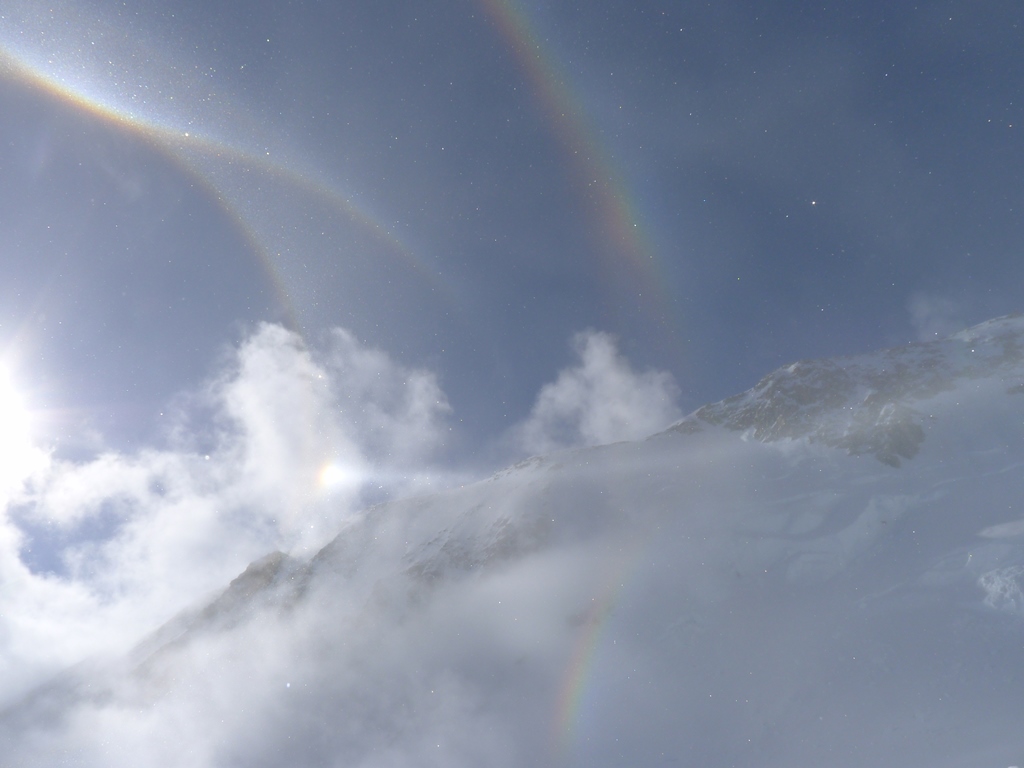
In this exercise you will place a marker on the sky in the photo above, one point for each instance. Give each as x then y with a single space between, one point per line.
466 185
264 263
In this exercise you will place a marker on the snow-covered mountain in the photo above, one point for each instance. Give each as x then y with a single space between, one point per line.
826 570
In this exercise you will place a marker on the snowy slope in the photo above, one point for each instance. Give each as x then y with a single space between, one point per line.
825 570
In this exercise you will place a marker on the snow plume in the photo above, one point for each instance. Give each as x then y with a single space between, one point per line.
94 553
934 317
395 413
601 400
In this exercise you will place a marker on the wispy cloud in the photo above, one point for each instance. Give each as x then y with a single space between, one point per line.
935 317
287 442
279 450
578 611
600 400
396 414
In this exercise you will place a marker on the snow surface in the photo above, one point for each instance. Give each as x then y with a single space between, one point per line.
827 570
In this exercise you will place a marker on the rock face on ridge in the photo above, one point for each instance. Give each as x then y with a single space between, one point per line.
867 404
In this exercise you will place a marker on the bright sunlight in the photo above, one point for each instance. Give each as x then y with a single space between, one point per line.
19 457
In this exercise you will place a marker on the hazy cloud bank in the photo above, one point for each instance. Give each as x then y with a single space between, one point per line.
587 610
276 451
273 453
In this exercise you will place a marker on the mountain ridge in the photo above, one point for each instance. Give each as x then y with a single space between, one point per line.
864 403
838 551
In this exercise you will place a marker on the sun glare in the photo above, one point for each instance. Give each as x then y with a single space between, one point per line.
14 416
339 477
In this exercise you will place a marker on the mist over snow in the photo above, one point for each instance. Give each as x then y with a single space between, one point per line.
276 451
825 570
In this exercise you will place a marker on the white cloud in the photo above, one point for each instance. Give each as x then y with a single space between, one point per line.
19 457
142 536
137 537
601 400
395 412
583 611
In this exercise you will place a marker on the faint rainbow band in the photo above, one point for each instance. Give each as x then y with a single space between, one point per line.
624 240
200 157
579 672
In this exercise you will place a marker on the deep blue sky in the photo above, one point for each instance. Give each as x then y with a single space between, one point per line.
795 180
